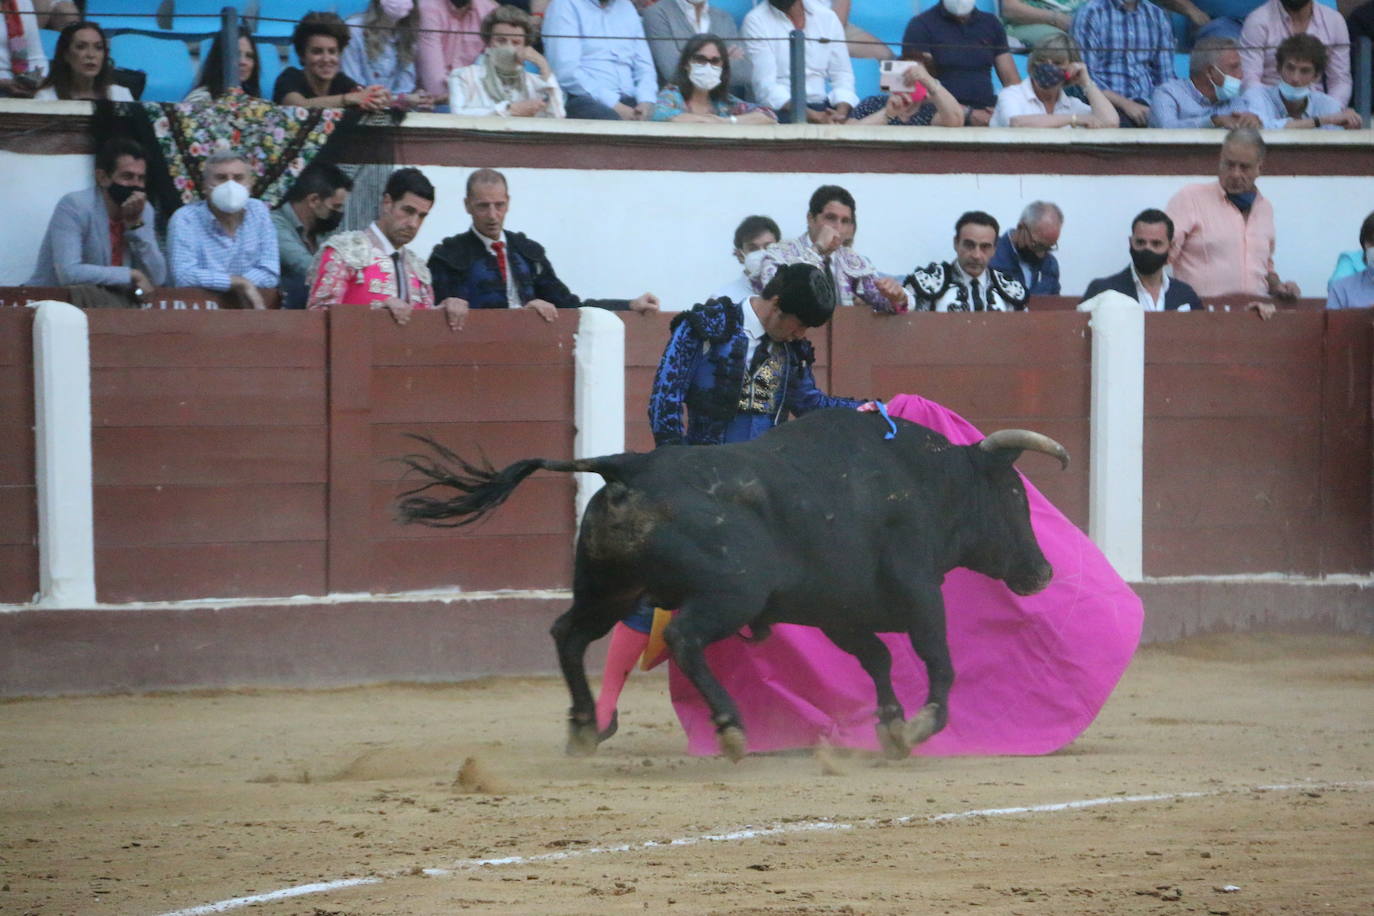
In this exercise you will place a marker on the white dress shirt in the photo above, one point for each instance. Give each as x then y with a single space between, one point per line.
753 327
772 61
1150 303
698 15
1020 99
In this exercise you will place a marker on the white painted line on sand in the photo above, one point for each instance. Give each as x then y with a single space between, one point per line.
753 833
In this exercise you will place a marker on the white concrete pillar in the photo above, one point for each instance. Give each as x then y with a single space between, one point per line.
1116 477
62 436
598 393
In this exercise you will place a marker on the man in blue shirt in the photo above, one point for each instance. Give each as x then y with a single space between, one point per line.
605 76
1356 291
1128 46
1211 96
1027 251
966 44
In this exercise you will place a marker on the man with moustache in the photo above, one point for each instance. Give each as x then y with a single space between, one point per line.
1144 279
968 283
490 267
103 236
313 209
374 268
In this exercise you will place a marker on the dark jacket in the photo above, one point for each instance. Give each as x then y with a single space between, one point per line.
1178 293
461 266
1044 279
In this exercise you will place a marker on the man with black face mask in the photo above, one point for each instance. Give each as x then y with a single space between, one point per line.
311 213
104 236
1152 235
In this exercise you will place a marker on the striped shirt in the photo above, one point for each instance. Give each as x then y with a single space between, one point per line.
1129 51
204 255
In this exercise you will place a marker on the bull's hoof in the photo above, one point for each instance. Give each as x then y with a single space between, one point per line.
582 739
611 729
892 739
922 725
732 744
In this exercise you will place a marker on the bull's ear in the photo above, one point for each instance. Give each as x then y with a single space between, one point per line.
1008 444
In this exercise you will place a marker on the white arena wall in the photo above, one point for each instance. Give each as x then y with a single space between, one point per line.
617 233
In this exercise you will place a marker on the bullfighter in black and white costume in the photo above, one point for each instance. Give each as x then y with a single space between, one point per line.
945 287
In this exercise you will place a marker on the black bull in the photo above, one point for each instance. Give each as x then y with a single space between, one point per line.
821 522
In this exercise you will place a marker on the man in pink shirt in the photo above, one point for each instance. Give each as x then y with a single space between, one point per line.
1275 20
450 37
1224 230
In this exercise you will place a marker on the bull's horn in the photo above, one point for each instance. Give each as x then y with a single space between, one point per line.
1025 440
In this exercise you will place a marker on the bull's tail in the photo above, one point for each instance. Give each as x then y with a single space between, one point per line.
480 488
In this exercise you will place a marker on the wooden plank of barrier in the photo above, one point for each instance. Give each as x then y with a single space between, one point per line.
1346 474
475 563
350 417
182 572
18 491
170 298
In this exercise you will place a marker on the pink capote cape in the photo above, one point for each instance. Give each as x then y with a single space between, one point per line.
1030 673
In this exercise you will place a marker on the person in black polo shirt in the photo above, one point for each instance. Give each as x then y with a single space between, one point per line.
965 45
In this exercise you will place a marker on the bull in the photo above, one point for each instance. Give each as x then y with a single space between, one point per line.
822 522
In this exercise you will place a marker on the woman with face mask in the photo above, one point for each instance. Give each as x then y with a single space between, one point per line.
381 51
1041 100
700 91
498 82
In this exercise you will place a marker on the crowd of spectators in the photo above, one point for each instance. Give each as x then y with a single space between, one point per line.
1090 63
1218 237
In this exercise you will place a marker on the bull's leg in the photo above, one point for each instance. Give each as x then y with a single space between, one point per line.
700 621
929 640
590 618
877 661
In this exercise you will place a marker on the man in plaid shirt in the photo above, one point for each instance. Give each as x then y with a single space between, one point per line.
1128 46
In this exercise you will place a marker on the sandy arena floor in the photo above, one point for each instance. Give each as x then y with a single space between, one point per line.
171 803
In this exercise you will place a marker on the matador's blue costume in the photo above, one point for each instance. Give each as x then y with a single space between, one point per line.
727 400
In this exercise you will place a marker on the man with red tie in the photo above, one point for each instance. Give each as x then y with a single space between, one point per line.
488 267
374 267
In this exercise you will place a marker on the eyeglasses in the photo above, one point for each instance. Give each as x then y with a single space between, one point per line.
703 59
1036 244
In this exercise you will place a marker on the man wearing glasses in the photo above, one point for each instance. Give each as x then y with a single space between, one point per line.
1027 251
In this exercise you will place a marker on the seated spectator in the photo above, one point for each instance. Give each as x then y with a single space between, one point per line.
225 242
373 266
1028 250
498 83
669 24
699 92
1213 18
81 67
1211 96
1129 47
966 45
23 63
968 283
603 75
831 224
1041 100
312 211
381 52
1274 21
103 236
926 103
1356 291
1032 21
319 40
1145 279
210 83
1224 230
829 75
489 267
1294 101
449 39
752 235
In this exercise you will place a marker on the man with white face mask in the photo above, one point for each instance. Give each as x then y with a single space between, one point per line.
225 242
497 83
1211 96
966 45
753 234
1295 102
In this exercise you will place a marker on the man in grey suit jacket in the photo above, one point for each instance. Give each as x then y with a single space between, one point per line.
87 227
679 20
